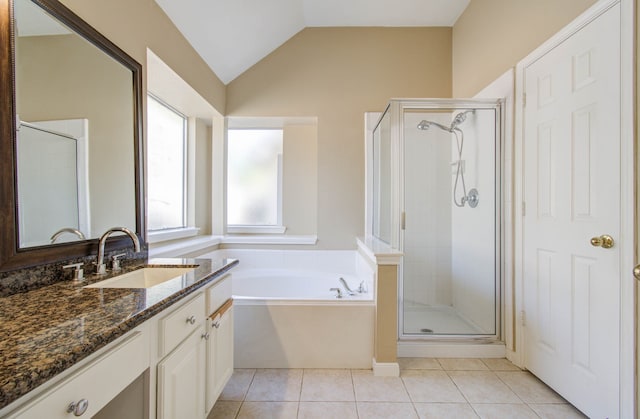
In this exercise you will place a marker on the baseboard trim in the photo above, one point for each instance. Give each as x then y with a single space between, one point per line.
386 369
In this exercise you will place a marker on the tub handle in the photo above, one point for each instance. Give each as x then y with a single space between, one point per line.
338 292
362 289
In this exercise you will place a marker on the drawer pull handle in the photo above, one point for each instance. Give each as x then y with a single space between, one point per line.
191 319
78 408
206 336
216 324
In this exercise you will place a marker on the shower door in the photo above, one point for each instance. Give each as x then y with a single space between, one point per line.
449 211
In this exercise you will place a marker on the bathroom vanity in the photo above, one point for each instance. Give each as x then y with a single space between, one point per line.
68 349
72 347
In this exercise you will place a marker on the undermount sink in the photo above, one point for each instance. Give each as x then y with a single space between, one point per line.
143 278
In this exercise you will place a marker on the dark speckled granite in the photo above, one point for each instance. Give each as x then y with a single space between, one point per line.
27 279
46 330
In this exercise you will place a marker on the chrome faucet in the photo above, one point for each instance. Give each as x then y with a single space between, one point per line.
346 286
101 267
338 292
60 232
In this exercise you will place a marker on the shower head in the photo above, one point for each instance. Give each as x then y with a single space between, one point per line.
460 118
424 125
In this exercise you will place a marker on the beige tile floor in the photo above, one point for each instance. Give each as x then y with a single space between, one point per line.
426 388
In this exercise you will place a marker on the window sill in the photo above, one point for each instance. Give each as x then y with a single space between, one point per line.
254 239
191 245
158 236
248 229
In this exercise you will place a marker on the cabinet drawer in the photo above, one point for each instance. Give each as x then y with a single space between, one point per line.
99 382
218 294
175 327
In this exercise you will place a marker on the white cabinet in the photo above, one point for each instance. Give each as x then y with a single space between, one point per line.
187 348
181 380
93 385
180 323
195 370
219 353
220 343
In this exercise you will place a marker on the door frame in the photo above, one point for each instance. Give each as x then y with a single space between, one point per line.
627 240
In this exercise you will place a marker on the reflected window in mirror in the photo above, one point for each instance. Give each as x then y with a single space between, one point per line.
167 166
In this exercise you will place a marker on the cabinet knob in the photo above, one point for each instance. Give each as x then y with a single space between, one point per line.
206 336
78 408
191 319
215 324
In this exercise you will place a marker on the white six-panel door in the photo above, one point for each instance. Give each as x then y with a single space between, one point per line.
571 193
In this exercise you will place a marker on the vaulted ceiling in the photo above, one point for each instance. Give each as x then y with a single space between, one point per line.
233 35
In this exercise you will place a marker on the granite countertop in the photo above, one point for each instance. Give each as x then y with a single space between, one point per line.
47 330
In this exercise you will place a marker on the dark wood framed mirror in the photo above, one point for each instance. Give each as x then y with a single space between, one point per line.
14 254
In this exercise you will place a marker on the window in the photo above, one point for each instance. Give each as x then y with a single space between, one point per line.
254 181
166 166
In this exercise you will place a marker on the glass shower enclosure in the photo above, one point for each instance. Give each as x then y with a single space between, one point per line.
436 197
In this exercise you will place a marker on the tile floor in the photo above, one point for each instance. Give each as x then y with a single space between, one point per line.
426 388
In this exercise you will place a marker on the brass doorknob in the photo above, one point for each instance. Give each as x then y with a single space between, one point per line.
605 241
636 272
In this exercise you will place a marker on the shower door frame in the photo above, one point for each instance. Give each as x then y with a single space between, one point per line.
397 108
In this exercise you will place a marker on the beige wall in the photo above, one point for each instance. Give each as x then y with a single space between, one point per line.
137 25
337 74
491 36
386 324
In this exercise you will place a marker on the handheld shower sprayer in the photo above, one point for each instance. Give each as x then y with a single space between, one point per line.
470 198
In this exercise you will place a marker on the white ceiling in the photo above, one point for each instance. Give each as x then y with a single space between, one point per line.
233 35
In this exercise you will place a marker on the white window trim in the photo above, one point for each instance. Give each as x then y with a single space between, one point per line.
188 177
265 239
156 236
199 245
256 229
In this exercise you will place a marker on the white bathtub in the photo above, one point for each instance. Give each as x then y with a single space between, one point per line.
285 316
297 285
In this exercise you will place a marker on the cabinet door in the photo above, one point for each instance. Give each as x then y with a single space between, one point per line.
219 355
181 380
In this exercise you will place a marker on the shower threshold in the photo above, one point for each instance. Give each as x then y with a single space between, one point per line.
437 321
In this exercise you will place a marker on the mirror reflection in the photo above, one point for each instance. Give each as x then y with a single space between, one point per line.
75 136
